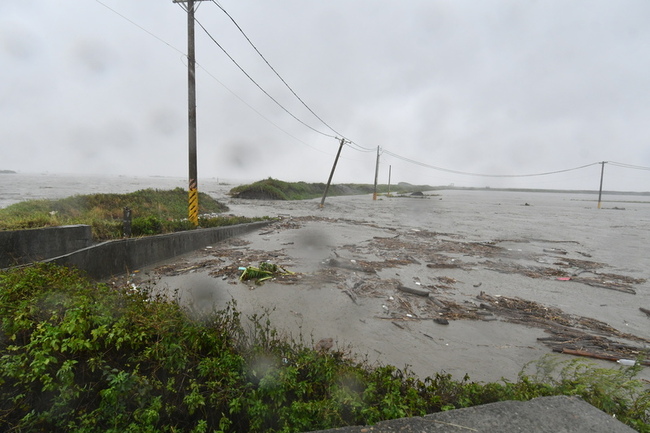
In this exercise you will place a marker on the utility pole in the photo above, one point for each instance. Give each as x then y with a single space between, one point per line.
374 194
600 191
193 198
336 160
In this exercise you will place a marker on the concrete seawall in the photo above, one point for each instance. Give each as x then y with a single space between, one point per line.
121 256
18 247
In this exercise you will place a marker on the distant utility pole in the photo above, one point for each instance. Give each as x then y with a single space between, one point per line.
193 198
374 194
600 191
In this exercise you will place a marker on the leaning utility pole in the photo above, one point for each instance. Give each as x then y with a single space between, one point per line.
600 191
193 198
329 181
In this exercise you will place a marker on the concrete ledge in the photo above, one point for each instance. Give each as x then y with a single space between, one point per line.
18 247
540 415
121 256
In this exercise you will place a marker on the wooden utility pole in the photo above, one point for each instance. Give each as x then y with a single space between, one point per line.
600 190
336 160
193 198
390 168
374 194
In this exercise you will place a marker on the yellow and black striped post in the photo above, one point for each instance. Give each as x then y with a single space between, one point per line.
193 206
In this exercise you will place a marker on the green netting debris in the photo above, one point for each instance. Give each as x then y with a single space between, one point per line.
262 273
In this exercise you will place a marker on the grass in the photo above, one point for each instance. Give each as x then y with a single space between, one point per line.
153 212
78 356
273 189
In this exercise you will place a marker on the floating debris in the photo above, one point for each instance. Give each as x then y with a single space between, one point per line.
264 272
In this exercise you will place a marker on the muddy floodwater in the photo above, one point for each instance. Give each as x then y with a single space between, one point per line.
462 282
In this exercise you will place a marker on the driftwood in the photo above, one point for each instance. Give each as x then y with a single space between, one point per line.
437 302
413 290
592 355
644 310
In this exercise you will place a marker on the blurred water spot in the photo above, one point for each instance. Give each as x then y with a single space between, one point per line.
95 56
260 366
18 41
89 142
165 121
242 154
313 244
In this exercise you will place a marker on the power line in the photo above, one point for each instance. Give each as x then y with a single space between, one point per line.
141 28
209 74
273 69
260 114
635 167
354 146
351 144
258 86
481 174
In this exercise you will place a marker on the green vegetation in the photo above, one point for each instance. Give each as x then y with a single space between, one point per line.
153 212
273 189
77 356
264 272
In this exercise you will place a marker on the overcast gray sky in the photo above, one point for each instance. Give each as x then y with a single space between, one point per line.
496 87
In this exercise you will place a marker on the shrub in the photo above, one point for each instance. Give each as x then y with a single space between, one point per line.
144 226
78 356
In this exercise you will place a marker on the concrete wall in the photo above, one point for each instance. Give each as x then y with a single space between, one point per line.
121 256
18 247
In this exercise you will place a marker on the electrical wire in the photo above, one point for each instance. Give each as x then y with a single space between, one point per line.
481 174
351 144
210 74
141 28
354 146
260 114
258 85
635 167
274 70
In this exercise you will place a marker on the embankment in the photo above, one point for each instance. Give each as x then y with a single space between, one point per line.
112 257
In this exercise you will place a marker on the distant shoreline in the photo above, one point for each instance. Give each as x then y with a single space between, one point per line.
561 191
422 187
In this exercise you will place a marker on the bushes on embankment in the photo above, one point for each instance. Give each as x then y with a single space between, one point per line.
274 189
153 211
77 356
